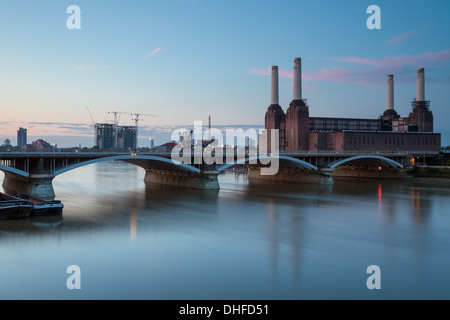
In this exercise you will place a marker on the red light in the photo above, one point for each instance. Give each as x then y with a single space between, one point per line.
380 196
380 168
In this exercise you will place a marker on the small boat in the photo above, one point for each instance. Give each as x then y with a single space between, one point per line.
42 207
14 208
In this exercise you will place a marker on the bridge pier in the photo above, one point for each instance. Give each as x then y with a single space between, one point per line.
323 176
37 185
206 180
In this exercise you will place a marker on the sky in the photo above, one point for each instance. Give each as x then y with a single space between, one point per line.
183 60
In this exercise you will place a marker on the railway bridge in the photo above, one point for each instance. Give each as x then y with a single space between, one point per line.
33 172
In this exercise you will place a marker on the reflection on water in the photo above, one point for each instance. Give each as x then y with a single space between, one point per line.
246 241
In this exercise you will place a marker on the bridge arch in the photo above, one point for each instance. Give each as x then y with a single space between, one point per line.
284 161
18 172
138 160
371 160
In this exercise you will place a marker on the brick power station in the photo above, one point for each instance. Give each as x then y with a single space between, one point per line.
298 132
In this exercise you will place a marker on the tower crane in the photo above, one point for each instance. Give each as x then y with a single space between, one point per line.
137 115
90 115
136 121
116 119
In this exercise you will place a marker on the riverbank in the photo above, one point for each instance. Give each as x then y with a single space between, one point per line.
441 182
437 176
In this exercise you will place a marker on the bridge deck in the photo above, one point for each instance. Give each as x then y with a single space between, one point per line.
25 163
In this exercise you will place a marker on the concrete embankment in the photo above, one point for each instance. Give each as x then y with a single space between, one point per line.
369 173
292 175
438 176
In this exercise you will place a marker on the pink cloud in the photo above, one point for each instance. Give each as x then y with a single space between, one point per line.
152 53
412 60
261 72
401 37
334 74
285 74
309 88
368 78
404 36
370 72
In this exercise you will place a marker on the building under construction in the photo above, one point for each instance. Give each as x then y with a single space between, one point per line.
298 132
110 136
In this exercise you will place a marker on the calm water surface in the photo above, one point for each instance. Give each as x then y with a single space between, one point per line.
283 241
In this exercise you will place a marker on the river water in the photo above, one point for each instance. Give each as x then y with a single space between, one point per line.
256 242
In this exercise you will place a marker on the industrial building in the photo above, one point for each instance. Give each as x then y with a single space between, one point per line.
298 132
110 136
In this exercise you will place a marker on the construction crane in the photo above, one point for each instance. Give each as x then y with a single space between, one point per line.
137 115
116 119
136 121
90 115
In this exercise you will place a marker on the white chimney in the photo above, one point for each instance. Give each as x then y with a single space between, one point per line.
275 92
297 79
420 85
390 92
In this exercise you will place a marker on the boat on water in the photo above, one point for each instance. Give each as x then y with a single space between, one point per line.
42 207
14 208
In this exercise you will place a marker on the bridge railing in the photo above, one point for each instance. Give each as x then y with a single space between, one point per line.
308 152
38 153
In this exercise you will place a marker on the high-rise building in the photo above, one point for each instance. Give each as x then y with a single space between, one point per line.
127 137
21 137
110 136
105 135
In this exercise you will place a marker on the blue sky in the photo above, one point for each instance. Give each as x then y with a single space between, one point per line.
186 59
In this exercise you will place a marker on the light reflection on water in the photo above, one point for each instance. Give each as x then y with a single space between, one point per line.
246 241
